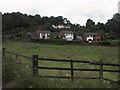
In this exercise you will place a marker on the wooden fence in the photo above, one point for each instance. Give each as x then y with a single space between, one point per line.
35 67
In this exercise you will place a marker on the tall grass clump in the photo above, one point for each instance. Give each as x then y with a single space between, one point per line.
13 72
8 69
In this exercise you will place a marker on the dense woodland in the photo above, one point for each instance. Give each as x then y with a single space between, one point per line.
18 23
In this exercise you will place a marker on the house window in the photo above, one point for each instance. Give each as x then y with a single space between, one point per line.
48 33
43 33
68 38
89 39
87 35
90 35
48 37
93 35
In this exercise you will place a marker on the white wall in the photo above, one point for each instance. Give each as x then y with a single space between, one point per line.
71 36
89 37
41 36
45 35
60 26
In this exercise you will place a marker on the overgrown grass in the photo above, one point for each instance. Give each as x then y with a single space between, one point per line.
75 52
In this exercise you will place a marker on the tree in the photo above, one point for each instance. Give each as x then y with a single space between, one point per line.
114 25
101 26
112 35
32 26
90 23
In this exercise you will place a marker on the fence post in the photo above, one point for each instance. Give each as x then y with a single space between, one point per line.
3 52
101 69
35 64
71 70
16 57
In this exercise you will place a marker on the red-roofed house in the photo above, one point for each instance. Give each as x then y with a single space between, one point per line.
91 37
68 35
43 34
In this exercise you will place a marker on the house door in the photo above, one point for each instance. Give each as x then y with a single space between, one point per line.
43 36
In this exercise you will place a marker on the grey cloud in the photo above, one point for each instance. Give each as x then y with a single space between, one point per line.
77 11
96 14
33 11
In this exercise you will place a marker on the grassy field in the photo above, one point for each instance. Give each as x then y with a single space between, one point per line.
74 52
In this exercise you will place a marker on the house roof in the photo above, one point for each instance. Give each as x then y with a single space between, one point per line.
28 33
91 33
39 31
67 32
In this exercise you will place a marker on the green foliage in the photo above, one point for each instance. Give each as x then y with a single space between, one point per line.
51 41
35 82
76 42
101 26
17 22
9 70
109 42
90 23
114 25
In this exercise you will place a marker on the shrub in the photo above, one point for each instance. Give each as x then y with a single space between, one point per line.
76 42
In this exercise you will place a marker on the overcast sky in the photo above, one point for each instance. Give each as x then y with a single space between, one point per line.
77 11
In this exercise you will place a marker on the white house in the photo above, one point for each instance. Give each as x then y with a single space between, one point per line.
61 26
43 34
91 37
67 35
79 37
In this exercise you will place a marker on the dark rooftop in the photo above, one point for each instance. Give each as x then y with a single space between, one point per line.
39 31
91 33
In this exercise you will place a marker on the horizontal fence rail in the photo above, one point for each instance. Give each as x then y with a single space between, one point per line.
53 68
35 66
111 80
70 77
17 54
62 60
89 62
107 64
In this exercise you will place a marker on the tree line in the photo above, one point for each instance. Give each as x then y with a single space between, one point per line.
18 23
